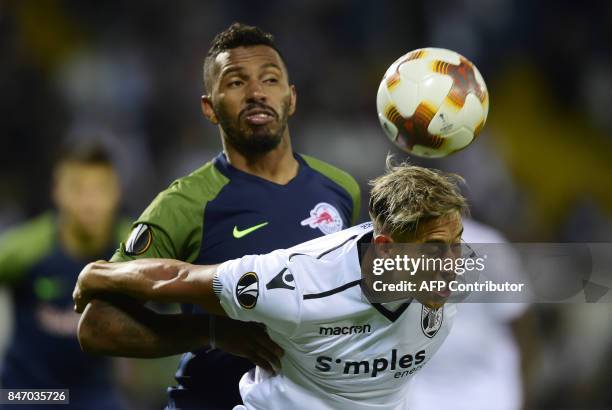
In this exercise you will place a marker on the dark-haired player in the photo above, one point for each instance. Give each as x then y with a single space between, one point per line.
40 261
255 196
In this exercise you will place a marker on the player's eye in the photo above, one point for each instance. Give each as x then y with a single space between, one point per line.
234 83
431 249
271 80
456 248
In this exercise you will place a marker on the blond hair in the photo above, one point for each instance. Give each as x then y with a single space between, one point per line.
407 194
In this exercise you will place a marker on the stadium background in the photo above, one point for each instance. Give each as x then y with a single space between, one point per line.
130 73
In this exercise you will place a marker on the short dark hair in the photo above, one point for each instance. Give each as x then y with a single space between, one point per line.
89 152
236 35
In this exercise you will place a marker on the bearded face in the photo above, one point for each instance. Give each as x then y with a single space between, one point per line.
252 99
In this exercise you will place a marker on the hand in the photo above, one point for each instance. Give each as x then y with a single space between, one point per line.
248 340
82 293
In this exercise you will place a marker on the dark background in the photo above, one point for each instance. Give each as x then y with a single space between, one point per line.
130 72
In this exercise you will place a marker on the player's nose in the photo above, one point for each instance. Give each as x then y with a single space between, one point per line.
448 275
447 251
255 91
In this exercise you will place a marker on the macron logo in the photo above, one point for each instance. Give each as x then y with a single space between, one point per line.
344 330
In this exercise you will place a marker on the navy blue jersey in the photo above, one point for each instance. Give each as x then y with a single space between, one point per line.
44 352
220 213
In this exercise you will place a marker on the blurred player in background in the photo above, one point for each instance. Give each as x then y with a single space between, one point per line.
479 365
6 321
343 350
40 261
254 197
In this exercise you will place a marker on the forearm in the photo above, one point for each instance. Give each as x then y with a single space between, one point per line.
126 328
162 280
137 279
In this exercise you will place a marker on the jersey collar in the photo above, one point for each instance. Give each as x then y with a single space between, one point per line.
222 164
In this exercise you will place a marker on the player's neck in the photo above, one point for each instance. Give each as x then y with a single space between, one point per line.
278 165
80 244
368 278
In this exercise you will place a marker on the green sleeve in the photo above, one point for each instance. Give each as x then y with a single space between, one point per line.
175 218
122 229
340 177
122 232
23 246
162 245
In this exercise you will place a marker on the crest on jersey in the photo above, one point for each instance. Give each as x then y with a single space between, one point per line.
431 320
284 280
139 240
325 217
247 290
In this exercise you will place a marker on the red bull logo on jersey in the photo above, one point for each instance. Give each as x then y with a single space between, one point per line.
325 217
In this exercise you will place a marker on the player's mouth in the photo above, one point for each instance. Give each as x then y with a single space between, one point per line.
444 292
258 116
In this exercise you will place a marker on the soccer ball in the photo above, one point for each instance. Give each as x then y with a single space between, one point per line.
432 102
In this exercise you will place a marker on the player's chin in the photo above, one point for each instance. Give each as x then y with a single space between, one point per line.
262 131
436 300
92 225
266 137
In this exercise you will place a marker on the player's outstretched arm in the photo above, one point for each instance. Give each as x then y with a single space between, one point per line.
159 280
124 327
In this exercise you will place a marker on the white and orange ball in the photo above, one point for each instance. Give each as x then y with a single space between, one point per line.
432 102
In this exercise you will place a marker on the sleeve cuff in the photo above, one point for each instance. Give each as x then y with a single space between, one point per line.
217 285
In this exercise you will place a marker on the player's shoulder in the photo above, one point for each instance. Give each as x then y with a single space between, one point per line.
273 265
324 245
339 176
190 191
262 264
35 232
202 184
25 244
172 223
259 288
122 228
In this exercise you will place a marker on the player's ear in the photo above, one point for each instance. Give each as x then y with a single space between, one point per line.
382 245
293 100
207 109
383 238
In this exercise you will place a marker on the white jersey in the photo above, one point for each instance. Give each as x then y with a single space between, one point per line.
341 351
